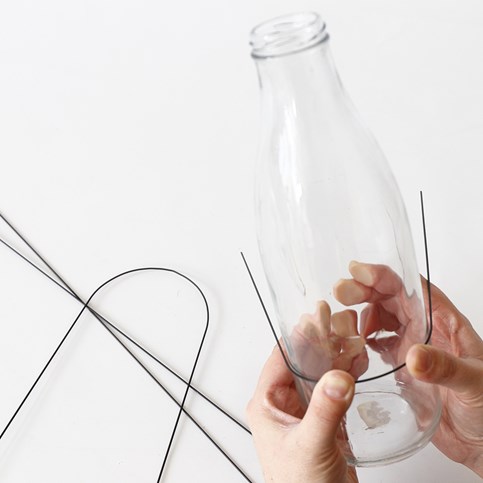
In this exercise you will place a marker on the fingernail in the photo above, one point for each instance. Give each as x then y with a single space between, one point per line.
335 387
424 361
348 292
353 264
361 273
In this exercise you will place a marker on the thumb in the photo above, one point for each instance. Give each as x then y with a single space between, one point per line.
330 400
436 366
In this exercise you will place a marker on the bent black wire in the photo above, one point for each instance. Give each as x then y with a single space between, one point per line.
68 289
74 323
120 331
108 325
149 373
290 366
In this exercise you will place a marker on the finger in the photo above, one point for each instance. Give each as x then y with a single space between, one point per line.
350 292
274 378
307 327
451 322
275 373
322 317
374 318
359 366
317 325
428 364
344 323
330 400
380 277
351 347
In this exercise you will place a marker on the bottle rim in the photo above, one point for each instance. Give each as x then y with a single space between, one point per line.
287 34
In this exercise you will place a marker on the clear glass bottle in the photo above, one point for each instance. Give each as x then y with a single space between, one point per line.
336 245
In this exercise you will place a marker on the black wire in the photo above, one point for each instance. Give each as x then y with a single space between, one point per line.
120 331
428 276
104 321
367 379
109 325
277 339
185 411
74 324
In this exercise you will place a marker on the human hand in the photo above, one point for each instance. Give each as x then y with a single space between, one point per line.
295 445
393 320
455 363
390 323
324 340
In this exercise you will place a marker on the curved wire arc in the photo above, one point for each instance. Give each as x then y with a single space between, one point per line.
287 361
98 316
108 325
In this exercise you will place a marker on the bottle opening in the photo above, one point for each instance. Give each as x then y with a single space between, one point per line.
287 34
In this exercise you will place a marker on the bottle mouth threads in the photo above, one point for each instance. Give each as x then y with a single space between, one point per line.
287 34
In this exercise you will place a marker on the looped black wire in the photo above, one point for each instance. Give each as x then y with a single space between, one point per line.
110 327
74 323
103 320
367 379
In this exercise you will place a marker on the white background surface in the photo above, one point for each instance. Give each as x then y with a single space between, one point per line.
128 134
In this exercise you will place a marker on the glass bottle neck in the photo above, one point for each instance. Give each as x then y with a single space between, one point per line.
309 74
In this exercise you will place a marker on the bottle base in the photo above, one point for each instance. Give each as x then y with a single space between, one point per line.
386 425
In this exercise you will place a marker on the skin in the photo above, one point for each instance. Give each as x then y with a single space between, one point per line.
455 363
295 445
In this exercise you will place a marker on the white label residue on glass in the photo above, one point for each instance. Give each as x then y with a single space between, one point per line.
373 414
